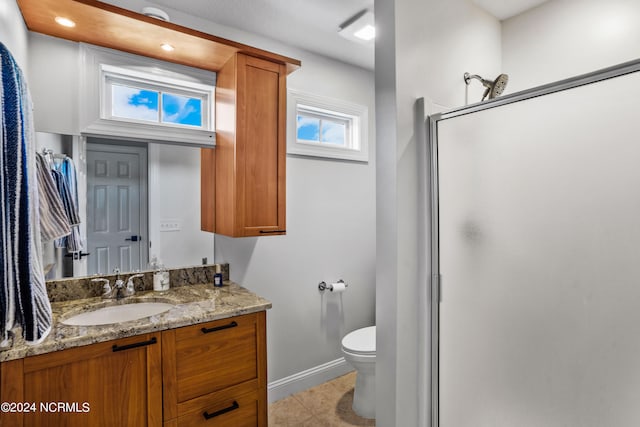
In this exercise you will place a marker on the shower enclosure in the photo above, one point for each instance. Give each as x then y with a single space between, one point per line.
535 247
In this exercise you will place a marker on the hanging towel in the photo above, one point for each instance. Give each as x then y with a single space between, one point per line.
7 179
72 242
68 170
23 294
66 197
53 218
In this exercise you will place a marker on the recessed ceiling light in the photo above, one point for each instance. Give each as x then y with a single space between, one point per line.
359 28
167 47
65 22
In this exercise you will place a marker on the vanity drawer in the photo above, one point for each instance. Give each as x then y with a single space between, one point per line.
215 355
224 409
208 366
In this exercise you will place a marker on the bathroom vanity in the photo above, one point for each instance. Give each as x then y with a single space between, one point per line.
202 362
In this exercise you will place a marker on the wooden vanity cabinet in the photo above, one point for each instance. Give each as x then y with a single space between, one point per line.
215 373
243 180
115 383
209 374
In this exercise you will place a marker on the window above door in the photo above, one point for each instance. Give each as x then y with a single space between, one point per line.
140 98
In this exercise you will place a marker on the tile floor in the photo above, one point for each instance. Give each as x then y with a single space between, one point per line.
326 405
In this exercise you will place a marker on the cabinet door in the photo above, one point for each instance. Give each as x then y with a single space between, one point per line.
116 383
261 146
243 180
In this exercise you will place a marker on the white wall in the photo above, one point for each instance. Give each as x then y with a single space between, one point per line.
54 78
423 50
178 196
13 32
565 38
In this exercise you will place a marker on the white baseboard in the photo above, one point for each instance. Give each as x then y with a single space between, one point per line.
300 381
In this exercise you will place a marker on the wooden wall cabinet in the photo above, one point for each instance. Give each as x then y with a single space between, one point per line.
115 383
243 178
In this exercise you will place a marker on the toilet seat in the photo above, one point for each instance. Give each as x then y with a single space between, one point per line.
361 342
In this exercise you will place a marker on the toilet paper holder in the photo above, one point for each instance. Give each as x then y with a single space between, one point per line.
322 286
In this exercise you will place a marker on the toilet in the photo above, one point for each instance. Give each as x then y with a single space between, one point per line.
359 349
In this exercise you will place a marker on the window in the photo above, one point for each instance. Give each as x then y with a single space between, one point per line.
325 127
322 127
134 97
151 103
142 98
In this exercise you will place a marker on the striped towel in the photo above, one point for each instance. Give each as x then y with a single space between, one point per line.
66 197
54 223
68 194
68 169
23 295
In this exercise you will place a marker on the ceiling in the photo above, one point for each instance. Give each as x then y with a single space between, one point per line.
308 24
504 9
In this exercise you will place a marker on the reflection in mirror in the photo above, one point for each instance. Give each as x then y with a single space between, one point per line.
116 206
136 201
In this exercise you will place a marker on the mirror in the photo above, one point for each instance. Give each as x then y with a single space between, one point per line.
136 201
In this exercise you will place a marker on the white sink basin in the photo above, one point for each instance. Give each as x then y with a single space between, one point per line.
118 314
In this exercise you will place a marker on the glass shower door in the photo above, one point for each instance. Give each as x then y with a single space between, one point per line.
539 234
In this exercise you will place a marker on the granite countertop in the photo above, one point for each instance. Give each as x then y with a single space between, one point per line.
193 304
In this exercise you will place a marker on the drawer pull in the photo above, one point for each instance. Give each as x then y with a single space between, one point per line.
233 407
219 328
272 231
116 347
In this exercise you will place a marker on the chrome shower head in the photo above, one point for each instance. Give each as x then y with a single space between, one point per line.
499 84
494 88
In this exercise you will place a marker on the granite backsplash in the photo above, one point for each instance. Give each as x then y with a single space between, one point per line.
82 287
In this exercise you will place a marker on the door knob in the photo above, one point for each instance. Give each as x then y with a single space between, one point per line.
133 238
77 255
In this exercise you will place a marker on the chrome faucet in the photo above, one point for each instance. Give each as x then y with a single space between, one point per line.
118 286
106 287
130 290
118 290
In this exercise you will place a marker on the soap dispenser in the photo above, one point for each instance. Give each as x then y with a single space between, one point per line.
161 281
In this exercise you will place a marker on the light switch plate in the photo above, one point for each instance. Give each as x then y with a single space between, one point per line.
170 225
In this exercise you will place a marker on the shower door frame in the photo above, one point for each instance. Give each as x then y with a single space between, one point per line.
435 285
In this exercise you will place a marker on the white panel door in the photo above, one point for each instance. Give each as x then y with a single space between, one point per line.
540 260
116 235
